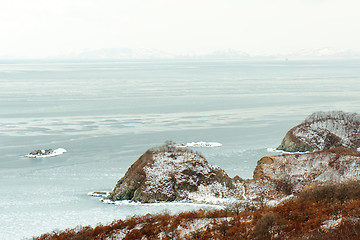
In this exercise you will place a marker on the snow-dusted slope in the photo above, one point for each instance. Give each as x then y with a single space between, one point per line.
324 130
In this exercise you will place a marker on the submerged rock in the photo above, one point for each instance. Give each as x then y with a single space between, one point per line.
324 130
169 174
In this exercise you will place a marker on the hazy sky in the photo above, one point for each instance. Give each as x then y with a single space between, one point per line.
39 28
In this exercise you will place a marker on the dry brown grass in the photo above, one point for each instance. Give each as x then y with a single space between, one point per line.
299 218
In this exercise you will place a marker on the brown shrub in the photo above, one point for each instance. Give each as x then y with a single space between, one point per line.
223 227
298 218
285 185
264 227
334 191
348 230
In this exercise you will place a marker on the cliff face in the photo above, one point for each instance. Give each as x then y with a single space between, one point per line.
278 177
168 176
324 131
302 170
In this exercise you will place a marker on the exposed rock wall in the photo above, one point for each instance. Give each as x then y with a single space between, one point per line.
128 186
259 170
334 165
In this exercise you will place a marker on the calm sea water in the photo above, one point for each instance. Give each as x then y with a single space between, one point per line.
106 114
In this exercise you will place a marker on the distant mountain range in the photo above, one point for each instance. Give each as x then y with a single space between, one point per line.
119 53
146 53
128 53
151 53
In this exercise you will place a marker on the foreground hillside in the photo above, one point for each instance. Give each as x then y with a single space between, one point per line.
324 212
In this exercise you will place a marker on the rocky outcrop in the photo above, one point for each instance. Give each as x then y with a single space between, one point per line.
181 174
324 130
46 153
259 172
168 175
41 152
304 169
186 175
277 177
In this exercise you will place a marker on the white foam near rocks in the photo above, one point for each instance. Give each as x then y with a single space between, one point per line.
200 144
161 203
54 153
275 150
98 194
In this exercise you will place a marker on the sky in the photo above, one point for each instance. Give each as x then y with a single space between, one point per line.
48 28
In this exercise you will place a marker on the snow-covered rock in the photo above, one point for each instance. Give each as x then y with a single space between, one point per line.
175 174
324 130
45 153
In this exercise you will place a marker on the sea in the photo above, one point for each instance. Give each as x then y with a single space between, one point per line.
107 113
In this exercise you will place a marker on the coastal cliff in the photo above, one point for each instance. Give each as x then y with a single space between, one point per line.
182 174
170 174
299 171
324 130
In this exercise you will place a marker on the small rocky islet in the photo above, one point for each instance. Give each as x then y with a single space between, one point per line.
42 153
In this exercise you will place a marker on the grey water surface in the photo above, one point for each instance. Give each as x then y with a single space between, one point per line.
106 114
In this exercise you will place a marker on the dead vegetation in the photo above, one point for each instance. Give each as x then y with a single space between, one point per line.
302 217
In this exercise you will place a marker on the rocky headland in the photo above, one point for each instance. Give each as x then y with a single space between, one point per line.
168 173
324 130
172 174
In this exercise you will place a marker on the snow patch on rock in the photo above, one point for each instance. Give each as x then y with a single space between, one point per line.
46 153
180 168
331 224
